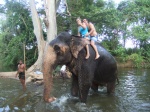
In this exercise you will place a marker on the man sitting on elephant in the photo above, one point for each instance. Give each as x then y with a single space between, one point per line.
93 35
83 31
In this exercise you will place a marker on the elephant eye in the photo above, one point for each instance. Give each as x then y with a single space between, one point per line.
59 52
57 49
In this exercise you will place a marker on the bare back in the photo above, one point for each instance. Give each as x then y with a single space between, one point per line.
92 29
21 68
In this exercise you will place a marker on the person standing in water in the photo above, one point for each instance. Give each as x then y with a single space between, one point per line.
21 73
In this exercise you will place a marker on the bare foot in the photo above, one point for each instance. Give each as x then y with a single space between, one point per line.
87 56
97 56
51 99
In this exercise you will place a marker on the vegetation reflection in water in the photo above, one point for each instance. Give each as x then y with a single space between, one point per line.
132 95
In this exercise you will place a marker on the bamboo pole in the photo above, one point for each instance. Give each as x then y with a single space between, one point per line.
24 53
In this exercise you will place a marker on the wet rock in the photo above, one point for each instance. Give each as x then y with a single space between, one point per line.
34 77
41 82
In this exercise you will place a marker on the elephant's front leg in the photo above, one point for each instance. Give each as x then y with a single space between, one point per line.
75 86
83 92
84 85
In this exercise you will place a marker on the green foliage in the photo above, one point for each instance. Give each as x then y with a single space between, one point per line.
103 15
130 19
63 24
137 59
56 71
16 30
120 52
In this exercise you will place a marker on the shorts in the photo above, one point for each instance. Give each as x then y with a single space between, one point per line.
88 37
94 38
22 75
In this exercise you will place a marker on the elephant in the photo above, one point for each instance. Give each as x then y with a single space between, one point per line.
70 50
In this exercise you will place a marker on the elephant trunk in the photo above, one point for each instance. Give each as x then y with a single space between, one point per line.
48 67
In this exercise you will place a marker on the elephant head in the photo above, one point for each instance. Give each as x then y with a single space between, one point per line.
61 50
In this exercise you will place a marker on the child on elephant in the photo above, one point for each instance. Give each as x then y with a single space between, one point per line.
82 31
93 36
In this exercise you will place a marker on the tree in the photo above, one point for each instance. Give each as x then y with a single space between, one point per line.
50 11
16 28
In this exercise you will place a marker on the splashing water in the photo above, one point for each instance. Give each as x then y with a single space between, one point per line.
132 95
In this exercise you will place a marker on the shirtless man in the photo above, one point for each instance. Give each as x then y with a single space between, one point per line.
21 72
93 36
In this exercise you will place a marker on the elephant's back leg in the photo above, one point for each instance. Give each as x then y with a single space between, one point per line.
94 86
110 87
75 87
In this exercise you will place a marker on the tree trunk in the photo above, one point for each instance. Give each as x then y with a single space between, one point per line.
51 16
57 4
50 8
39 36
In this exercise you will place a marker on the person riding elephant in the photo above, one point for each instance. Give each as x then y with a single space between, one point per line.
83 32
89 73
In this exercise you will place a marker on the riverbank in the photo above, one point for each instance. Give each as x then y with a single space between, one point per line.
128 64
35 77
131 64
38 77
8 74
32 76
13 74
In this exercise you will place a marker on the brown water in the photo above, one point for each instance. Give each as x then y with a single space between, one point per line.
132 95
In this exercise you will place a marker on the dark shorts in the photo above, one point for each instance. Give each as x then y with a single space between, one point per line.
22 75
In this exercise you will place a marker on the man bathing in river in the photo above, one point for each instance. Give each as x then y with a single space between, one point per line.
21 72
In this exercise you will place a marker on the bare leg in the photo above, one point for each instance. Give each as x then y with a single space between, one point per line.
95 49
23 84
87 52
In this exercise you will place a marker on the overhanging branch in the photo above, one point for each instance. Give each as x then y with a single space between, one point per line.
68 12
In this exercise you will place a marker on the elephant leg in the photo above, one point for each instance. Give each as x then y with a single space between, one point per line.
94 86
83 93
75 86
110 87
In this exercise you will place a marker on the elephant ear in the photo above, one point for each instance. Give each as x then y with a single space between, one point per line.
77 44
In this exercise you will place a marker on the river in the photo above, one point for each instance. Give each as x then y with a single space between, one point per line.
131 95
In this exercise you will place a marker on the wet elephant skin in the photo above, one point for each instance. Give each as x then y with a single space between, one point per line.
86 73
